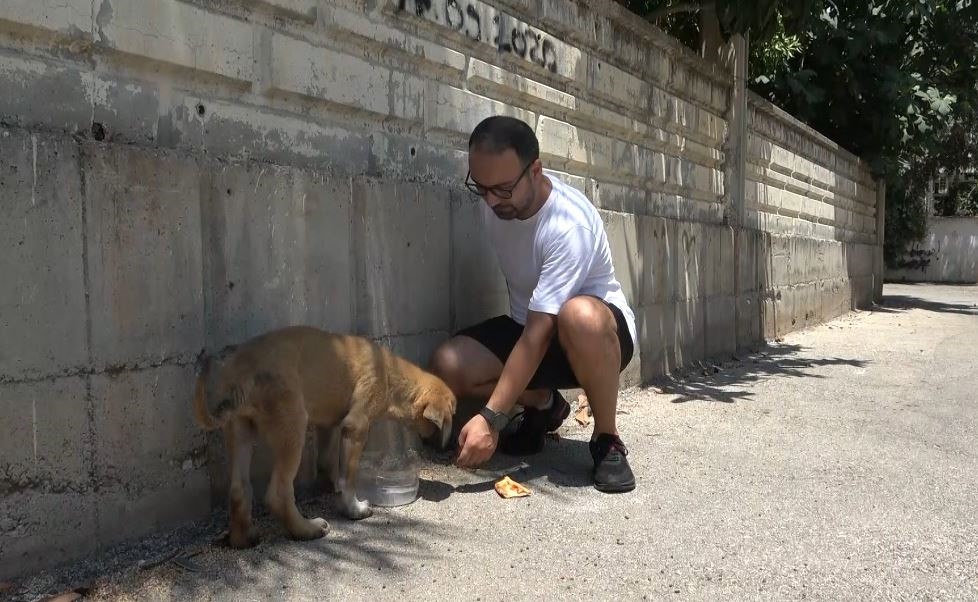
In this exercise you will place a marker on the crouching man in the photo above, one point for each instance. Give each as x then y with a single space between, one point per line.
569 324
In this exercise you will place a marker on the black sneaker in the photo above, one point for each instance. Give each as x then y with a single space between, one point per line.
611 471
529 435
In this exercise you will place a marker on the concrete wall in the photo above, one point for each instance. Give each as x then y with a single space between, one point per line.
178 175
948 254
815 205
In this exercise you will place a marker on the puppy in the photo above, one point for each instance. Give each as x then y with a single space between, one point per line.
275 384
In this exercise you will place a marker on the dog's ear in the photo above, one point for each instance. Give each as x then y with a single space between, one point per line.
434 414
440 418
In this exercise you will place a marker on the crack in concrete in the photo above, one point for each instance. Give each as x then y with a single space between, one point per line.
34 165
14 479
34 423
91 73
111 370
12 482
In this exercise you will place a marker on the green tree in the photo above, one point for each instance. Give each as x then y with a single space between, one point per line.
888 81
706 25
961 199
893 81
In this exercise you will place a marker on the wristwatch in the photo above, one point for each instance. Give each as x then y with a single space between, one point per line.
497 420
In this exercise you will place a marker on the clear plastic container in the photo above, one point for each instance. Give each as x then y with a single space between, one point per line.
390 465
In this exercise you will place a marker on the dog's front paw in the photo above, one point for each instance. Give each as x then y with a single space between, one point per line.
314 528
322 525
358 510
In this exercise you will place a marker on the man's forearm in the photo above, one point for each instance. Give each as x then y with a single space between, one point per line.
520 367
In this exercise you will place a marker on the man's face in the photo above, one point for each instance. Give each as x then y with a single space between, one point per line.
506 184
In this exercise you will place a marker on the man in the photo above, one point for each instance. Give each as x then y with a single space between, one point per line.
569 324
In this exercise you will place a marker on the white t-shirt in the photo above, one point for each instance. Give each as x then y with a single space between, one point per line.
557 254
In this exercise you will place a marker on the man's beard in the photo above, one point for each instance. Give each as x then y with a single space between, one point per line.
507 212
510 211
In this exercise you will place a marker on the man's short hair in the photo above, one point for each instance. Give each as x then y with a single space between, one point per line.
499 133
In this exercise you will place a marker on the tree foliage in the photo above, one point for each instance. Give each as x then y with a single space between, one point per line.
772 24
961 199
888 81
893 81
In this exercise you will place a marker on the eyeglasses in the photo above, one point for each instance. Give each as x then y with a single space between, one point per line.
497 191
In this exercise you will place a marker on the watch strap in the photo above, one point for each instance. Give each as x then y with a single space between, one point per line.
497 420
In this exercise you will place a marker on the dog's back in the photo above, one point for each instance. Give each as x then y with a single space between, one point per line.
330 371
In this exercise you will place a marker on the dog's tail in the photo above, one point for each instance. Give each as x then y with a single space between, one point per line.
205 419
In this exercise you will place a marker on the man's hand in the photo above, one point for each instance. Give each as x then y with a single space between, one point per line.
478 442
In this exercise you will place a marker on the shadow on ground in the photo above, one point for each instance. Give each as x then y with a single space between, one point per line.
386 543
726 382
898 303
564 464
193 562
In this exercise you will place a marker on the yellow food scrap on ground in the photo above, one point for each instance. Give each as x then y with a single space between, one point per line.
508 488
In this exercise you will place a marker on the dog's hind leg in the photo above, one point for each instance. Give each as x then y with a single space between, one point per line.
240 439
286 440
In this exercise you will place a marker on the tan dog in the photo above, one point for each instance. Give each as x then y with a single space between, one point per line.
275 384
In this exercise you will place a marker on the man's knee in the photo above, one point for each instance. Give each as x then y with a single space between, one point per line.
446 363
444 360
585 317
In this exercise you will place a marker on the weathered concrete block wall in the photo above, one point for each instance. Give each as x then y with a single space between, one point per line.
948 254
179 175
813 206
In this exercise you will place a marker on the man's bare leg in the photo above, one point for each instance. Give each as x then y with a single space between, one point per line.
471 371
589 335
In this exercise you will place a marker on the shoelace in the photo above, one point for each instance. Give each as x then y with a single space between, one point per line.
619 446
616 445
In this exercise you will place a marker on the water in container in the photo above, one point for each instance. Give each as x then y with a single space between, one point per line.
390 465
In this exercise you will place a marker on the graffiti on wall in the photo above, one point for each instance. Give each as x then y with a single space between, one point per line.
484 23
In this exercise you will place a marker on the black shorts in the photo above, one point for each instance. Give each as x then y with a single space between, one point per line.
499 335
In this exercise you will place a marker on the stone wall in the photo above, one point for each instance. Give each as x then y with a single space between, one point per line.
179 175
948 254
